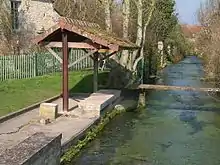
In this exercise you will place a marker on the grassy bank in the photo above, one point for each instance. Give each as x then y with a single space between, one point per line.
17 94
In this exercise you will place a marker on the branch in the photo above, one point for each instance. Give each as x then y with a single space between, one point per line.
135 2
153 2
136 62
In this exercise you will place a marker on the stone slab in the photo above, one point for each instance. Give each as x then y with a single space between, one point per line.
100 100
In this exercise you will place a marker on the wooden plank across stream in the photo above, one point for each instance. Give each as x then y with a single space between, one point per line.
183 88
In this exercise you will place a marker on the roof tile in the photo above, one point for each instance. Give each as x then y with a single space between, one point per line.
89 30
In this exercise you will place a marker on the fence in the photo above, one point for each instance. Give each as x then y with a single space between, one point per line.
27 66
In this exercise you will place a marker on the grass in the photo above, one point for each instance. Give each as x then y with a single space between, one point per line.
17 94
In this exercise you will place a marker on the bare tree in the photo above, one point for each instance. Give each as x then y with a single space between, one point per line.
108 22
88 10
208 41
5 28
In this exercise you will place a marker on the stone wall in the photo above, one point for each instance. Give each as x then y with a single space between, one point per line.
36 15
38 149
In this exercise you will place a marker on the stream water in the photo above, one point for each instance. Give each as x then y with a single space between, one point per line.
176 128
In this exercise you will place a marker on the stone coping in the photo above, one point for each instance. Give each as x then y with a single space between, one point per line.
28 149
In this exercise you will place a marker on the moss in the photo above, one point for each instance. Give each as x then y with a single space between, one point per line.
93 133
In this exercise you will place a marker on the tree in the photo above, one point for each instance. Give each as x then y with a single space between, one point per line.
208 40
141 33
147 22
108 22
88 10
5 28
125 31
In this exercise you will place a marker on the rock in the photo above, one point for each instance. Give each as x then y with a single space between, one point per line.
44 121
127 105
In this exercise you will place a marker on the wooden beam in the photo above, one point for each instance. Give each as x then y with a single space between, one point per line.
183 88
85 50
95 74
105 51
78 45
81 58
65 72
55 54
100 51
107 56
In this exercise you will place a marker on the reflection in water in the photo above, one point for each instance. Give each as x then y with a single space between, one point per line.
165 146
177 128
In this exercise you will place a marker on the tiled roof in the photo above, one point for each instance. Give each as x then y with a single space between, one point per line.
91 31
190 30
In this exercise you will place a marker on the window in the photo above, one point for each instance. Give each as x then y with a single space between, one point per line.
14 13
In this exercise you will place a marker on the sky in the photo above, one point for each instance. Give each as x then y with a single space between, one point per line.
187 10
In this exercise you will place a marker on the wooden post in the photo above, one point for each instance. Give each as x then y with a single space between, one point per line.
65 72
160 50
150 64
142 99
95 74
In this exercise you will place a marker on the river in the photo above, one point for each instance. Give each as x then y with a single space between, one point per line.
176 128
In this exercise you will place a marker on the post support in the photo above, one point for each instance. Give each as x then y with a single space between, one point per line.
142 99
65 72
95 74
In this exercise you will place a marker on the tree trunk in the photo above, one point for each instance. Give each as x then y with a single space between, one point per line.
126 15
139 36
108 22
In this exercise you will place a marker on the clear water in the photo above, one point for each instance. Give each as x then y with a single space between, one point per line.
177 127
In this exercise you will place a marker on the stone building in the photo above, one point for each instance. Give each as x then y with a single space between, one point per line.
29 18
32 16
191 32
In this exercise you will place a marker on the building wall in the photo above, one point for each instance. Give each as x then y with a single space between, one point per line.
35 15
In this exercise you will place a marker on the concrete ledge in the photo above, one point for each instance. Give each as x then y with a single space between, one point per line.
112 106
81 135
38 149
26 109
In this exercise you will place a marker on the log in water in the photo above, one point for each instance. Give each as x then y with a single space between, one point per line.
184 88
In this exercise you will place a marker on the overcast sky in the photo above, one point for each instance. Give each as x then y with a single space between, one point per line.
187 10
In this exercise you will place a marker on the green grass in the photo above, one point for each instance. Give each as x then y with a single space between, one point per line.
17 94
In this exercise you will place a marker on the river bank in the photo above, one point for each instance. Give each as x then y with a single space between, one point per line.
88 115
110 113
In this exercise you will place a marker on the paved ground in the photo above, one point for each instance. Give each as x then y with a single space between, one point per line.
19 128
